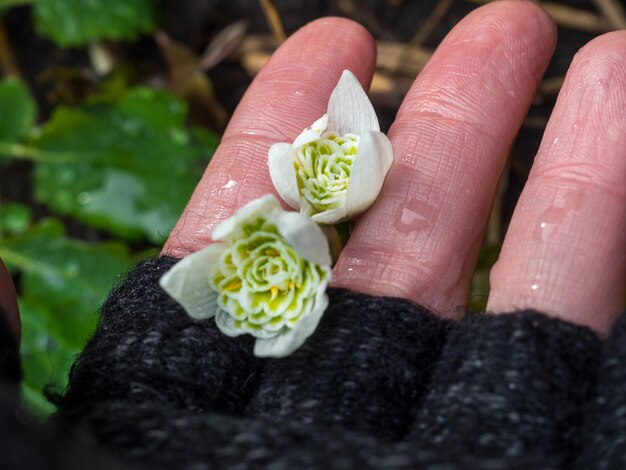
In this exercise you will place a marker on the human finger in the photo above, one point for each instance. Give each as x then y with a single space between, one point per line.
565 250
451 137
289 94
8 302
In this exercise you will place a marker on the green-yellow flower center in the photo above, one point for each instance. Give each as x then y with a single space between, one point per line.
323 170
263 284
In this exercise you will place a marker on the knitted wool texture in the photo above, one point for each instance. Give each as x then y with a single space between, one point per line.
605 424
365 366
512 384
377 385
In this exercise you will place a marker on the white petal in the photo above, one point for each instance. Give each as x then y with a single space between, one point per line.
311 133
284 344
331 216
371 164
231 226
226 324
305 207
320 125
306 238
349 108
188 282
283 174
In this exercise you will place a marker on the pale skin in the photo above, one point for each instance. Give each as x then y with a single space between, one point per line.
565 250
421 238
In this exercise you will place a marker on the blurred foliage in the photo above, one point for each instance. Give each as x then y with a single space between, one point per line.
63 283
112 165
18 111
117 166
75 23
15 219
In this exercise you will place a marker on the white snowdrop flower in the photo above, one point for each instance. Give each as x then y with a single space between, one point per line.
266 276
335 169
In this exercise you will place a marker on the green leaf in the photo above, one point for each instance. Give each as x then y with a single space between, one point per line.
128 167
46 360
69 277
17 111
14 219
36 403
71 23
63 282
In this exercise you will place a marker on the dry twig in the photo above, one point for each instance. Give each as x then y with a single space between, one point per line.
407 61
396 67
223 44
551 86
366 16
401 59
427 28
569 17
273 19
613 12
8 66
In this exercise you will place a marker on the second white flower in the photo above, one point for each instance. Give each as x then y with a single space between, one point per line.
335 169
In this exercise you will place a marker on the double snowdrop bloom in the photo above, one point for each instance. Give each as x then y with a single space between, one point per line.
266 276
335 169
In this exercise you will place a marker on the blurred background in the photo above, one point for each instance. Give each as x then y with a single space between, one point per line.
111 109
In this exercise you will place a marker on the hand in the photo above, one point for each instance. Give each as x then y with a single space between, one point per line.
565 251
8 302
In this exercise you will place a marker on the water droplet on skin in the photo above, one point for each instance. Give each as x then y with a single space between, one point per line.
230 184
415 215
548 227
556 139
601 86
353 263
554 217
534 287
578 123
249 132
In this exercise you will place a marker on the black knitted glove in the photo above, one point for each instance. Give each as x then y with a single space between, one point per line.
605 430
146 349
365 367
159 388
512 385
